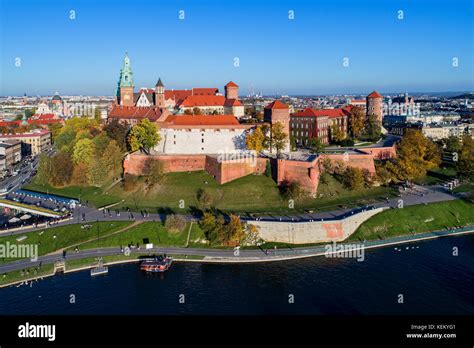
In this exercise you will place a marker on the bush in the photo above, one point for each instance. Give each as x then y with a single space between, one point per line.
346 142
291 189
174 223
130 183
204 198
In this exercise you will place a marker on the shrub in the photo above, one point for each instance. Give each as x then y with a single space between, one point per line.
174 223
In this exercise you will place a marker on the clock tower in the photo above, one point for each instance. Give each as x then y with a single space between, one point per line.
126 83
160 94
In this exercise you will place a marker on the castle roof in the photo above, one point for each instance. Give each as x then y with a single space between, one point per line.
134 112
276 105
159 83
331 113
203 100
231 84
202 120
375 94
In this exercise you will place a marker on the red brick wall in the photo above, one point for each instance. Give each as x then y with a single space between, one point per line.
353 160
135 164
230 170
381 153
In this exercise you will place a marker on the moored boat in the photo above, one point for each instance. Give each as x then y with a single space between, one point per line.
157 265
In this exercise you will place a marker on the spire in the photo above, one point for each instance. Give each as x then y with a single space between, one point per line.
126 74
159 83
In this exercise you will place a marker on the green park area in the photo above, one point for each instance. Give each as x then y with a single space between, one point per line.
416 219
250 194
57 238
150 232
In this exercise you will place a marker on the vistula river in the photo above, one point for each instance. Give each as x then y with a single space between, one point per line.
430 278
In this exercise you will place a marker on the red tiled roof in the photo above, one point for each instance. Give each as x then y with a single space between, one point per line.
358 101
46 122
276 105
231 84
205 91
203 100
178 94
375 94
202 120
309 112
134 112
232 102
9 123
146 90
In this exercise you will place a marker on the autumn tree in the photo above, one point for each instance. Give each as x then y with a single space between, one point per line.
336 134
315 145
353 178
43 174
279 138
356 122
255 140
143 136
118 132
373 128
153 171
204 198
61 169
233 232
465 163
112 157
84 151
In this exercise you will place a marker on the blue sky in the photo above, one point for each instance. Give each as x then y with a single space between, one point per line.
277 55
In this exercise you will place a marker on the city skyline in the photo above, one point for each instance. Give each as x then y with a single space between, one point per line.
276 55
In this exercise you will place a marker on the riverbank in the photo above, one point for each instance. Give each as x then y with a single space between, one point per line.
272 256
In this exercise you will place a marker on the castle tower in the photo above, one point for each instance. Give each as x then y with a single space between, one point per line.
160 94
375 105
126 83
278 112
231 90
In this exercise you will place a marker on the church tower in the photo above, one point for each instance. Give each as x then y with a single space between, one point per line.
126 83
160 94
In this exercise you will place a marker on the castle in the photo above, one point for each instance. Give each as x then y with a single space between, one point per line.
199 125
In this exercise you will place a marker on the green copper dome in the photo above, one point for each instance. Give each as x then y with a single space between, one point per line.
126 75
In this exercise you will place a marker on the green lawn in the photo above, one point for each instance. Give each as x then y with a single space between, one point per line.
250 194
22 275
416 219
66 236
437 176
468 187
148 232
91 194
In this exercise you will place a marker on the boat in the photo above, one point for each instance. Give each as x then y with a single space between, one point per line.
100 268
157 265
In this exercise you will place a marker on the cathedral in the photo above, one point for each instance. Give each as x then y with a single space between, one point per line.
156 103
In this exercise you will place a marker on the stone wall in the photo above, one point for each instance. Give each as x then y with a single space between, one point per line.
380 153
312 232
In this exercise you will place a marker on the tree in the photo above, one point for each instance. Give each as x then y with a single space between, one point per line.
291 189
153 171
356 121
373 128
204 198
118 132
144 136
61 169
354 178
80 174
465 163
268 169
279 138
112 157
97 114
84 151
97 172
267 140
315 145
197 111
255 140
416 154
452 144
336 134
211 226
55 129
43 174
234 231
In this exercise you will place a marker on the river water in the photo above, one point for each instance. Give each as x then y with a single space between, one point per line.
430 278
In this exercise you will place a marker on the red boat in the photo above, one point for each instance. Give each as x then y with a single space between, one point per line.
158 265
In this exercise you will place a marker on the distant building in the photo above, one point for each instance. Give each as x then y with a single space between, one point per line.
10 154
32 143
443 131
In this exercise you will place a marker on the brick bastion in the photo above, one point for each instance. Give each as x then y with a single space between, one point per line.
305 171
312 232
